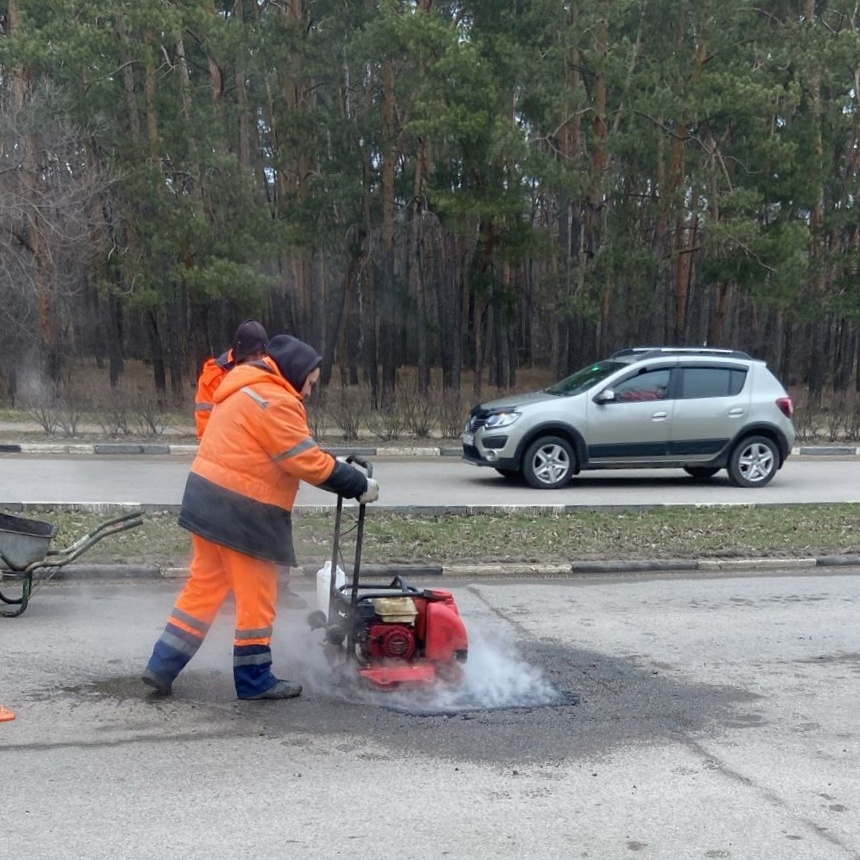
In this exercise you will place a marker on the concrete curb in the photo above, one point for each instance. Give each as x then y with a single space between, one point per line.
125 449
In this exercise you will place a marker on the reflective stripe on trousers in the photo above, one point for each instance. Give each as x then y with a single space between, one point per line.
215 572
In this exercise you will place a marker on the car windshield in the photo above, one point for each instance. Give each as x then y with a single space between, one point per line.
585 378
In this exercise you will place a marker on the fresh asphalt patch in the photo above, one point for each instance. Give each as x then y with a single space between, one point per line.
600 704
526 696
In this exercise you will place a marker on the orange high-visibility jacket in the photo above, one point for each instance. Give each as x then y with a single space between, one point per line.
214 370
256 449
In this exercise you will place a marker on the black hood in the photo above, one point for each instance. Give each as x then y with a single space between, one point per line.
295 359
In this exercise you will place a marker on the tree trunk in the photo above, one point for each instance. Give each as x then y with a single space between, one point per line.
367 299
115 327
450 309
36 232
595 210
156 353
570 224
149 90
817 356
417 270
387 328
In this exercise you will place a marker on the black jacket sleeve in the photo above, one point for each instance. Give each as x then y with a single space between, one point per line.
345 481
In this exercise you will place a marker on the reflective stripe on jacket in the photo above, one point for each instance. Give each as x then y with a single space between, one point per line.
214 371
256 449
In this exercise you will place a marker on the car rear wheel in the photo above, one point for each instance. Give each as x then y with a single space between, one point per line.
549 463
701 472
754 462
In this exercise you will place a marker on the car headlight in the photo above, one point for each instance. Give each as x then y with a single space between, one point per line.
500 419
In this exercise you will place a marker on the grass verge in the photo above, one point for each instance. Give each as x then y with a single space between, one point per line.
657 533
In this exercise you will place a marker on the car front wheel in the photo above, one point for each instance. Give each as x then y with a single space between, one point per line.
754 462
548 463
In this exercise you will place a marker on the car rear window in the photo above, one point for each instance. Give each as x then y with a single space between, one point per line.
583 379
712 382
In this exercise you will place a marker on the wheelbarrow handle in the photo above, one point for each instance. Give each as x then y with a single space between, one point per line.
57 558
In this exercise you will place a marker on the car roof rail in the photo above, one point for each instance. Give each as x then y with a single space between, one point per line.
679 350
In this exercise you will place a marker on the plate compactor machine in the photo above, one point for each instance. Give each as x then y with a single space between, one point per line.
392 636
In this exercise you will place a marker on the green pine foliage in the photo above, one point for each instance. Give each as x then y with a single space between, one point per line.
473 186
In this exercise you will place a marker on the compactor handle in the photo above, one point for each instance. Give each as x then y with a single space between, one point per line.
360 461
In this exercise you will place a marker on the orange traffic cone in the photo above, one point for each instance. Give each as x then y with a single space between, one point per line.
5 715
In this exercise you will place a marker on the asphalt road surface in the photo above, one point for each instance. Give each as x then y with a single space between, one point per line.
426 482
666 718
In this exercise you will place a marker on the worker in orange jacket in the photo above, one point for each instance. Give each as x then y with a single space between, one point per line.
237 505
249 343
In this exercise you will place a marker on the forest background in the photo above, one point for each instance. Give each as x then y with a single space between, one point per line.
446 198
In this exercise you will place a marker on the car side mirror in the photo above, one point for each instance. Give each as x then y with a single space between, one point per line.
605 396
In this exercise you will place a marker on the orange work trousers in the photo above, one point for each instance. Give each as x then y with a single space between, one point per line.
217 571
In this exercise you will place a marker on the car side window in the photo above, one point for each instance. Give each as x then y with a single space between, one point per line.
649 385
698 382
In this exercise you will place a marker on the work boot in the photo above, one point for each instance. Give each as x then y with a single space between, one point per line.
280 690
293 600
164 688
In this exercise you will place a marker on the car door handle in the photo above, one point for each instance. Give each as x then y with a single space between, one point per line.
736 412
659 416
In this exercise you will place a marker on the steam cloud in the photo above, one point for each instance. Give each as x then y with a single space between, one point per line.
495 677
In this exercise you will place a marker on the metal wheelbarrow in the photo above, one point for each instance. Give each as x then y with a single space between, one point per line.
25 549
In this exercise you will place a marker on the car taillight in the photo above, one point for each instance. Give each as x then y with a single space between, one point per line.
785 406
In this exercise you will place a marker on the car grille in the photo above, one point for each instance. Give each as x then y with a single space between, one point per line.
476 422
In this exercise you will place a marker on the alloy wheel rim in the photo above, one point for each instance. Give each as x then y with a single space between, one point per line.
550 464
756 462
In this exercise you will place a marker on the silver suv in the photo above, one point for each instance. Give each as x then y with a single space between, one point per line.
700 410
